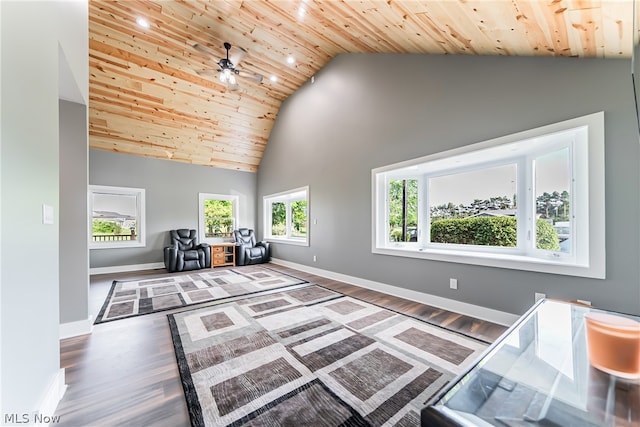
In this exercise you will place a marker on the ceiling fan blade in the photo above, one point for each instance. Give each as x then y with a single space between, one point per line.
237 55
208 72
253 76
204 49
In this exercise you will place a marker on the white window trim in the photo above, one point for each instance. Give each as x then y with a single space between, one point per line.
592 265
201 223
140 197
289 196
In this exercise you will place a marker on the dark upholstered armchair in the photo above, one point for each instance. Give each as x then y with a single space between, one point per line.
248 251
185 253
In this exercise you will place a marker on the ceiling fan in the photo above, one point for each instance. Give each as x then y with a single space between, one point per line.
228 70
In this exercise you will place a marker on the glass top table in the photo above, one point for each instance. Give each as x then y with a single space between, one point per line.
538 374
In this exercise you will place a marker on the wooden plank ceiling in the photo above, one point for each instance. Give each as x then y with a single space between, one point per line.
147 97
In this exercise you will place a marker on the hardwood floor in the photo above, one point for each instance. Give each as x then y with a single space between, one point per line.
125 372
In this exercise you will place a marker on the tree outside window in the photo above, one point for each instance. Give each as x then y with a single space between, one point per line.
278 219
219 220
403 210
217 216
299 218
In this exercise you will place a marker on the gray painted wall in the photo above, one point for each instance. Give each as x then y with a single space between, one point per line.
74 179
29 171
366 111
171 192
635 69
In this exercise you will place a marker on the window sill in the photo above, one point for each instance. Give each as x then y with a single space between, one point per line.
508 261
117 245
295 242
217 240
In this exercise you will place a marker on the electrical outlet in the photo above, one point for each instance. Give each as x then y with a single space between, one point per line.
314 258
453 283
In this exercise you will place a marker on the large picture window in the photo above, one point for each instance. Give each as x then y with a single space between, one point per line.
531 201
117 217
286 216
217 216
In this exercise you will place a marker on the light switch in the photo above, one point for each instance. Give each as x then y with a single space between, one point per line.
47 214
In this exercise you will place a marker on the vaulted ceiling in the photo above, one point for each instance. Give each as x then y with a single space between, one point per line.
154 90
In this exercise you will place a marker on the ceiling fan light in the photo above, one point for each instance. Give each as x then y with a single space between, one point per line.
227 76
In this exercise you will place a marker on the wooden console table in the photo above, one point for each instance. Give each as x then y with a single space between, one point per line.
223 254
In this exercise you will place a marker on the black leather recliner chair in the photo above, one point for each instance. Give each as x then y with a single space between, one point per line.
185 253
248 251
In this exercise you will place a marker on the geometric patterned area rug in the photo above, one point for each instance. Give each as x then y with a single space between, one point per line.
137 297
311 356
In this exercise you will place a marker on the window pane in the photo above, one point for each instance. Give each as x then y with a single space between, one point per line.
299 218
475 208
278 219
286 216
114 217
218 218
553 186
403 210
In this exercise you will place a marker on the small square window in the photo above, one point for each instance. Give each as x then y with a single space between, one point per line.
117 217
286 217
217 216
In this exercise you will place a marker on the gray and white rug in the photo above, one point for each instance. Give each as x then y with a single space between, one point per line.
137 297
312 356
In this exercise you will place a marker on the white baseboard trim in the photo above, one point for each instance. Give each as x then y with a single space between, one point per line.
74 329
53 395
479 312
124 268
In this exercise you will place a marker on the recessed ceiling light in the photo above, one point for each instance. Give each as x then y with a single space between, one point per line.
291 60
142 22
273 78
